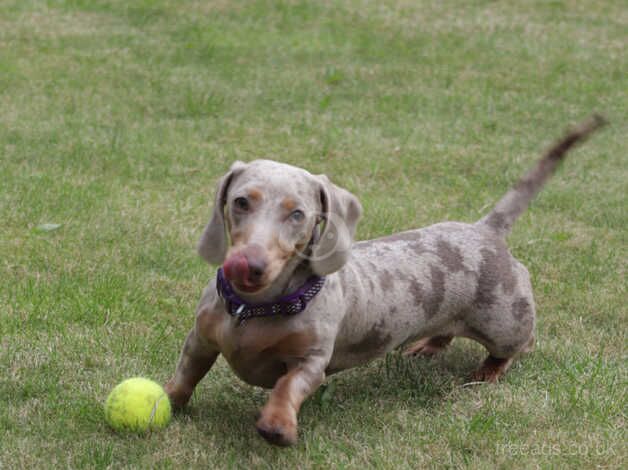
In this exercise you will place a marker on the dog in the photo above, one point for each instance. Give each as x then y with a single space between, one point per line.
297 300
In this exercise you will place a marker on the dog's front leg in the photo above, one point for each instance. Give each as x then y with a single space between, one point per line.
278 420
197 357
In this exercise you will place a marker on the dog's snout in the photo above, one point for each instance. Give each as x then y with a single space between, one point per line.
257 267
256 259
247 267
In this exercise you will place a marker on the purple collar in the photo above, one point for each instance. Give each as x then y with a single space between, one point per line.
290 304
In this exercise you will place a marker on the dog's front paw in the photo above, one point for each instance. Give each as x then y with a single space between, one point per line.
278 426
179 396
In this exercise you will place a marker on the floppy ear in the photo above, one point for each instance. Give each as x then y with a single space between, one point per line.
213 243
341 211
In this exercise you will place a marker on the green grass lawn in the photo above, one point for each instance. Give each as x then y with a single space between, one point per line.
116 119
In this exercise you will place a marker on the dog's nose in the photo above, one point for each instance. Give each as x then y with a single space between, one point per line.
257 266
246 267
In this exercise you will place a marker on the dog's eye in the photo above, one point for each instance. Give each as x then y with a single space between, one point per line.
297 216
241 203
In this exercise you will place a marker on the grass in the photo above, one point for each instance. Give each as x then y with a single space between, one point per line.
117 119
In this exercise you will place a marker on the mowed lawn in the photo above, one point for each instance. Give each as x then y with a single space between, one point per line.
118 117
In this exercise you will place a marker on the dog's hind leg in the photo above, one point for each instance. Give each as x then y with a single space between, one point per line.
492 369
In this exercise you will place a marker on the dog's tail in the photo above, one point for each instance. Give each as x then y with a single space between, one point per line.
501 219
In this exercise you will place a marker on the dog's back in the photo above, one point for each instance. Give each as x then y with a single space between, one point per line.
449 279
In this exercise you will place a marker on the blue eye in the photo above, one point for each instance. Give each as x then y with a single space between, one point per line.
297 216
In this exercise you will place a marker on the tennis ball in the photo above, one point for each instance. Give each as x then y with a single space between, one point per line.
137 405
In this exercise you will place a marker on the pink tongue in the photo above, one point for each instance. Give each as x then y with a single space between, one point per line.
236 268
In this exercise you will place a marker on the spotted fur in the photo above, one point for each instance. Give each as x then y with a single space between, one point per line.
428 286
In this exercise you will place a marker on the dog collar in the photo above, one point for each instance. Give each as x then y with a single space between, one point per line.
290 304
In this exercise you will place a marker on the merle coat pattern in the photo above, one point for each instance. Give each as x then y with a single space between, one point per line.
274 225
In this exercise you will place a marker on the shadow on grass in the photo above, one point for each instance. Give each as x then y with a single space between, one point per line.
418 381
226 408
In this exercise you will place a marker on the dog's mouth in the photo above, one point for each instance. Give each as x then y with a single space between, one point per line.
248 287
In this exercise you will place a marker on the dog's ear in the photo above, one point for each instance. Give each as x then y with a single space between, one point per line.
213 243
340 211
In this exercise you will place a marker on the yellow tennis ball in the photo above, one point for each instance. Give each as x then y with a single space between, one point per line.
137 405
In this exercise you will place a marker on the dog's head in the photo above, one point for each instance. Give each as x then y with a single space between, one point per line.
269 217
